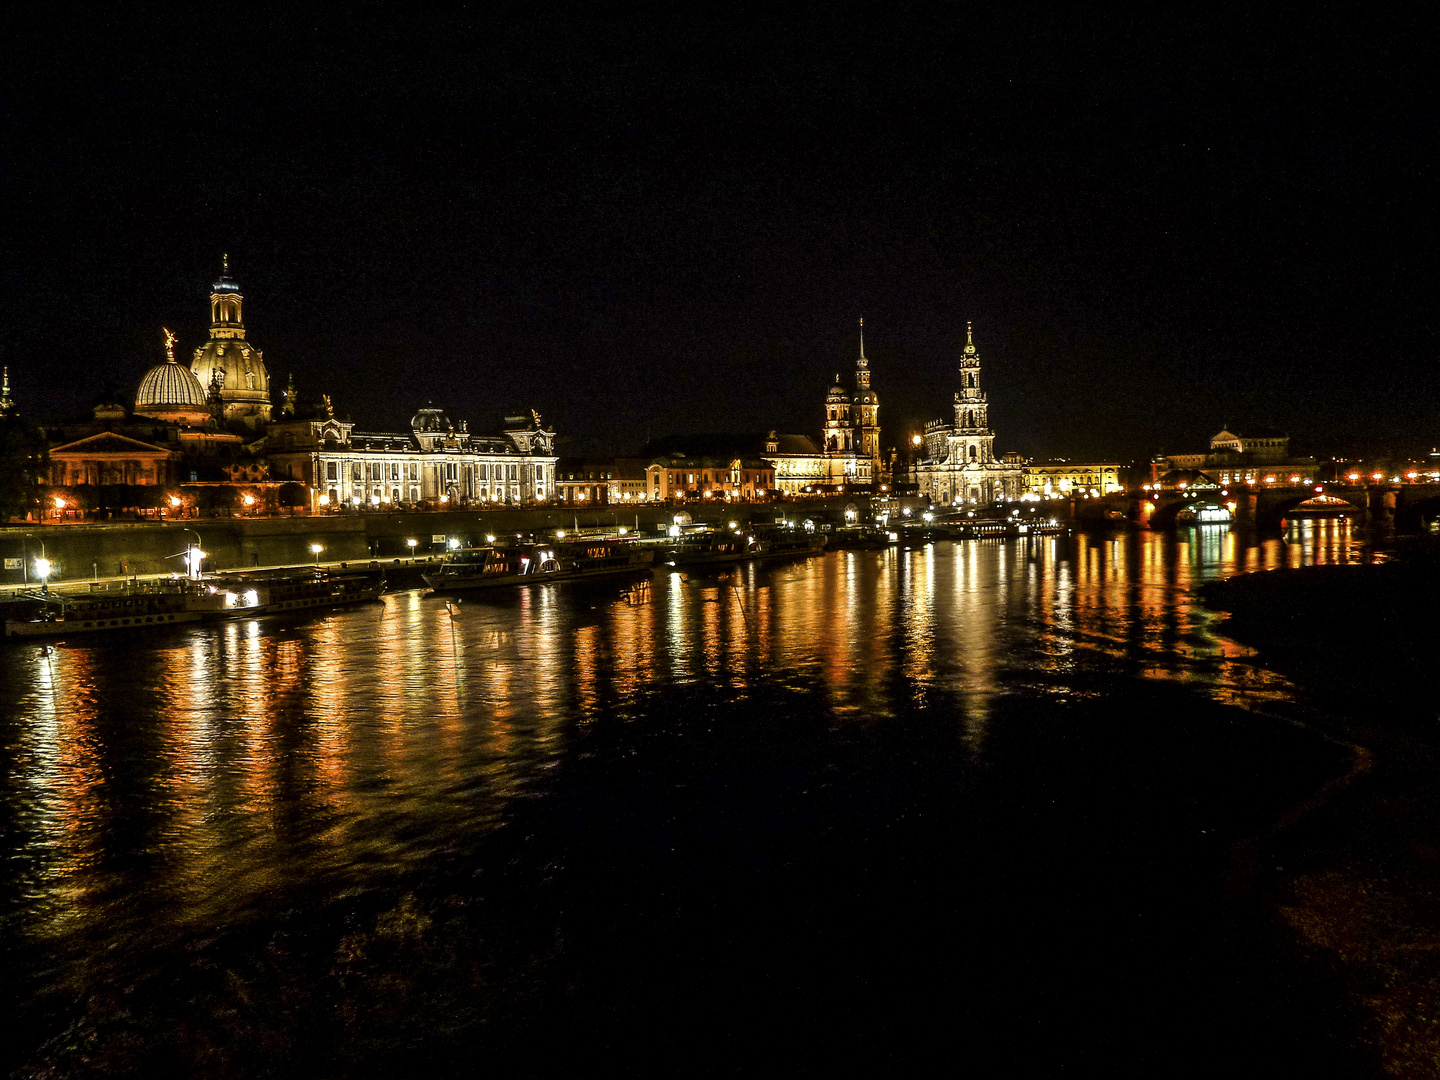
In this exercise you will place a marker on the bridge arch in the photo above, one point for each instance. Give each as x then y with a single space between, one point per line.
1314 506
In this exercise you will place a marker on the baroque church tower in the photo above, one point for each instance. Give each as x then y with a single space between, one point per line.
867 411
971 440
839 436
230 363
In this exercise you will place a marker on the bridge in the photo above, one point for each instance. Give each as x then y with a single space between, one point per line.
1403 507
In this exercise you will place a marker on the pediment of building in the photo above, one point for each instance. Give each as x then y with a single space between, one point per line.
109 443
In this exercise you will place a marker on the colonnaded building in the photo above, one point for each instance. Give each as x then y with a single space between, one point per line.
959 463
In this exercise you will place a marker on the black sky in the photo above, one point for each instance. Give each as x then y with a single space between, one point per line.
660 223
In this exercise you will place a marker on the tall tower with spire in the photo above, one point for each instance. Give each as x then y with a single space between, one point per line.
866 413
231 360
7 405
972 441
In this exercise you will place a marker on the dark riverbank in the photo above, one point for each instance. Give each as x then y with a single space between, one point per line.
1361 883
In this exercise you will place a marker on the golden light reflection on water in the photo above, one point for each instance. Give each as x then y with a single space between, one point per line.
230 761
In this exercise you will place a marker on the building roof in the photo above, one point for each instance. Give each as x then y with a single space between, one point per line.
169 386
729 446
109 442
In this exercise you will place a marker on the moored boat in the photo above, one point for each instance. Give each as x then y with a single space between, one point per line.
790 543
536 564
704 549
151 604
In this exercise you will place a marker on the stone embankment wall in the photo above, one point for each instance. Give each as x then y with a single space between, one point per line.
78 552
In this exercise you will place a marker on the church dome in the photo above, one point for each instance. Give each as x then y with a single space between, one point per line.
171 391
430 419
241 369
837 392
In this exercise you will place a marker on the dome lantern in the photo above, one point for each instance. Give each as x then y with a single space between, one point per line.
231 361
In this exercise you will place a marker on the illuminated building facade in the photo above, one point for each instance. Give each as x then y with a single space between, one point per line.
1050 479
600 481
433 463
959 463
741 477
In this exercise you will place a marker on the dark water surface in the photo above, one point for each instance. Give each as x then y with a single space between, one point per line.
970 805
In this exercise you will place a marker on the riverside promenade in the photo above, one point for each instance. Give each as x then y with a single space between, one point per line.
95 552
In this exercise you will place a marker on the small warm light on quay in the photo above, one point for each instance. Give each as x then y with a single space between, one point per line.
324 500
624 531
559 534
59 503
248 500
316 549
410 542
375 500
1377 476
42 568
175 502
454 544
489 538
1353 477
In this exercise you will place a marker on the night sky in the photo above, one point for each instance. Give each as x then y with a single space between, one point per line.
659 224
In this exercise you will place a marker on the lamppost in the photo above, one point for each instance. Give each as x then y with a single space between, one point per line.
194 556
410 543
25 559
316 549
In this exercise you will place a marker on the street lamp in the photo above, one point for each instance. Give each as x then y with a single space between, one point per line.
25 559
194 557
316 549
42 571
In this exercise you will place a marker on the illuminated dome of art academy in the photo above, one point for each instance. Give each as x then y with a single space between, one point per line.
230 364
171 392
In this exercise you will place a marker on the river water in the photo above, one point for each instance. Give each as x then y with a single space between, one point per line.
973 802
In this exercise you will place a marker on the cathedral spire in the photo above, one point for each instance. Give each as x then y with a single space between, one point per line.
7 406
862 365
969 336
